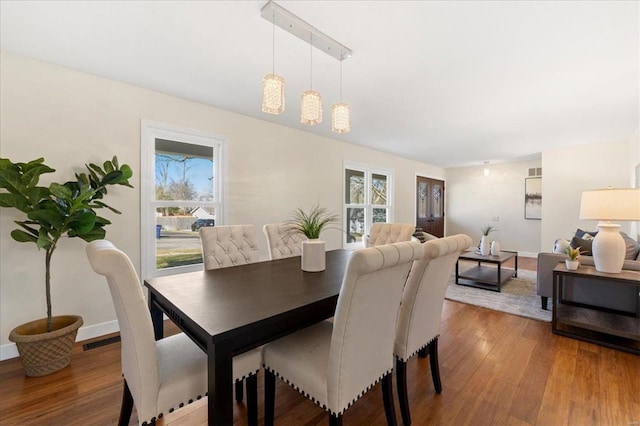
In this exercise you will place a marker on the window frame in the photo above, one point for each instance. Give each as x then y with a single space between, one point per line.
149 132
368 207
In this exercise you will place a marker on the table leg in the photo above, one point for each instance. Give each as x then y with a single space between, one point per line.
499 275
156 317
220 383
516 274
457 261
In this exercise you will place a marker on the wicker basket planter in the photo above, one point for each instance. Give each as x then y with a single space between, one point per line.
45 352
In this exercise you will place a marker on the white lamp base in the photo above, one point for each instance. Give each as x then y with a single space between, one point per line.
608 248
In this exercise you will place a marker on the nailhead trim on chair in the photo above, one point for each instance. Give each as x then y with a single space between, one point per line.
418 350
182 404
324 407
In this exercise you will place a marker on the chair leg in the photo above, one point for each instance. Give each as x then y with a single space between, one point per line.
127 406
387 398
422 353
269 397
335 420
401 377
543 300
252 400
239 392
435 367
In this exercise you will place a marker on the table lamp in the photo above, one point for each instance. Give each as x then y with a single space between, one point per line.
606 205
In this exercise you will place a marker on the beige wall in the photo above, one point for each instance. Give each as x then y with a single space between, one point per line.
475 200
72 118
568 172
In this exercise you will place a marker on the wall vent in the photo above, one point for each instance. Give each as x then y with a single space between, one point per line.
535 171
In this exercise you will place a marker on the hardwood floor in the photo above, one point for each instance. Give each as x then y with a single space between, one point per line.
496 369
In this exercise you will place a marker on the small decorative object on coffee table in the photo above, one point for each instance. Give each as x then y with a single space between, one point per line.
485 245
485 276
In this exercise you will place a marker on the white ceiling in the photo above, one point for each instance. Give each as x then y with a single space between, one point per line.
449 83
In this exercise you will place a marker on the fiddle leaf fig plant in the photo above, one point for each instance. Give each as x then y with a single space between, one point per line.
67 209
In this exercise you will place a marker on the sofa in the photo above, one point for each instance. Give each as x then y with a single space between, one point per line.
616 297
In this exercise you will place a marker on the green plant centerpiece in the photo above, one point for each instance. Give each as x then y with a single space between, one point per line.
59 210
311 224
573 253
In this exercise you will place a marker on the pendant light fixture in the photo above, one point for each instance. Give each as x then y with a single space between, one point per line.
311 102
340 112
272 84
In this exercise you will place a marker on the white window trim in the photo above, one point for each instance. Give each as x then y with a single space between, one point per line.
368 214
149 132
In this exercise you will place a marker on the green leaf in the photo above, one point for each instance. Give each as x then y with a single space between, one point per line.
112 178
61 191
22 237
82 223
115 162
108 166
44 241
96 169
15 200
95 234
48 217
127 172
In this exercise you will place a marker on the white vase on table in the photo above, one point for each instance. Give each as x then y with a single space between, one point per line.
313 256
485 247
495 248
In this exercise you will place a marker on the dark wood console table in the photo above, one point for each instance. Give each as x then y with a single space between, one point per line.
592 323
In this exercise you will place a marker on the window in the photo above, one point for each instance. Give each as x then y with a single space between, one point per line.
181 193
367 199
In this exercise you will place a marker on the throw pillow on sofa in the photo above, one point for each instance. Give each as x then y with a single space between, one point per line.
585 235
632 247
585 245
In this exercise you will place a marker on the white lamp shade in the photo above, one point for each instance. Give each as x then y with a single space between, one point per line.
340 118
311 108
611 204
272 94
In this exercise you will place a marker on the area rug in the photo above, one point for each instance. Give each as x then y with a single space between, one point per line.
518 296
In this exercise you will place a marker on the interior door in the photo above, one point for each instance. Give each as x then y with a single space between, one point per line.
430 205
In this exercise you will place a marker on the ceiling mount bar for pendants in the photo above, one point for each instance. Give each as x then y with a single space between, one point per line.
289 22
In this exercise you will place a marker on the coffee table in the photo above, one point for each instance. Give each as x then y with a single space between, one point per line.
484 276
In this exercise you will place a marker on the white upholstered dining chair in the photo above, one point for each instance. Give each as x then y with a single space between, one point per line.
159 376
229 245
418 325
282 242
324 362
388 233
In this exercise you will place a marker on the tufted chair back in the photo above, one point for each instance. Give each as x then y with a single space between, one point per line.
365 319
423 297
139 358
282 243
388 233
231 245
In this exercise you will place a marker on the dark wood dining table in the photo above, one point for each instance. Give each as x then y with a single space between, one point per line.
229 311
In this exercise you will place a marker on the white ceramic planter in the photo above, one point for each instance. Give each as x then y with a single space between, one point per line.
571 265
313 256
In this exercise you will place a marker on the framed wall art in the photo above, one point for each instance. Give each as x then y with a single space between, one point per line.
533 198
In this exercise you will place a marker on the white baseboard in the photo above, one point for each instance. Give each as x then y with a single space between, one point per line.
527 254
9 350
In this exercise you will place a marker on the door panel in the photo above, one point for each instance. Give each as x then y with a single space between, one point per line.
430 205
